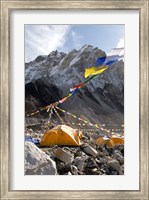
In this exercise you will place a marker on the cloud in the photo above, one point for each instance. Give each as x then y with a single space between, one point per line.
76 38
42 39
120 43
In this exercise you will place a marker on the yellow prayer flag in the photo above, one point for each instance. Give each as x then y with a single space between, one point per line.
93 71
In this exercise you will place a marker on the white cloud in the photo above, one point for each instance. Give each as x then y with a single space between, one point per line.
42 39
76 38
120 43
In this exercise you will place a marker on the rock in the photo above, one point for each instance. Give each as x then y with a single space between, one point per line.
79 163
80 173
79 153
114 173
90 163
34 135
66 149
97 161
115 151
69 173
120 159
63 168
108 158
105 151
63 156
102 171
102 160
89 150
37 162
121 170
74 170
94 169
114 164
108 172
100 154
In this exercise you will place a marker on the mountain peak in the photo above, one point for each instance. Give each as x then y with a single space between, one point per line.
116 52
52 77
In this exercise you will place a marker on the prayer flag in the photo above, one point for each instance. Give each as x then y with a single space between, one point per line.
100 61
93 71
76 87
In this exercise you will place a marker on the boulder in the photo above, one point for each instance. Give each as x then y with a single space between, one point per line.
79 153
102 160
90 150
63 156
91 163
119 157
37 162
63 168
79 163
74 170
114 164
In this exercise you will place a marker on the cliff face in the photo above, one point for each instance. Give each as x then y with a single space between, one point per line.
49 78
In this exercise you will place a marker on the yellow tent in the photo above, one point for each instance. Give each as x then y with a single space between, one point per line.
110 142
101 141
115 141
60 135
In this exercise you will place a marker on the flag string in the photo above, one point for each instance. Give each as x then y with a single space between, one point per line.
73 91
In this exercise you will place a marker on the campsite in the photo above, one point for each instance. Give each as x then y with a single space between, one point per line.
62 137
74 99
63 151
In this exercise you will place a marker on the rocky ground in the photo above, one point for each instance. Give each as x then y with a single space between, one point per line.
87 159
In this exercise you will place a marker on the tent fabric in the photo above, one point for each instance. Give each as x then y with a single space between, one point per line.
110 142
115 141
101 141
60 135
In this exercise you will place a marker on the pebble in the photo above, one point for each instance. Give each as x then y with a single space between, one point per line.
69 173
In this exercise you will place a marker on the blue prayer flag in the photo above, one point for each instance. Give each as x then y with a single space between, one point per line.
100 61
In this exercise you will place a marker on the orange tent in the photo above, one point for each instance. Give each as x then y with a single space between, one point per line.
60 135
115 141
110 142
101 141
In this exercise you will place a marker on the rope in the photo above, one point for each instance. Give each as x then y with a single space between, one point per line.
78 118
85 122
73 91
61 120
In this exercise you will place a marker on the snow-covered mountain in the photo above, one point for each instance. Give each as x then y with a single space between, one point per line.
49 78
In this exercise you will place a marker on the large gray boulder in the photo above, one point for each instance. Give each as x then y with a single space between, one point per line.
37 162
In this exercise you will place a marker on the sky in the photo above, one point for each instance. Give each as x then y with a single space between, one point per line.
42 39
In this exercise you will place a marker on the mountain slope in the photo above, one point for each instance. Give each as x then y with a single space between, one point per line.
49 78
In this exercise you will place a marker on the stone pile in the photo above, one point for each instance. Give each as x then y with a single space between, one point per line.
87 159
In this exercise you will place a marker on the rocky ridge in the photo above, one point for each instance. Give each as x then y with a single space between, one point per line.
49 78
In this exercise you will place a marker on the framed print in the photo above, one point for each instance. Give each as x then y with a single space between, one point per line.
74 99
